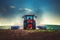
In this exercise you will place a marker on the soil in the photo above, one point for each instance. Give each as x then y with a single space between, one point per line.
25 35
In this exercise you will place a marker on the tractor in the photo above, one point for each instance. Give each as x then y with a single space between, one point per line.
29 22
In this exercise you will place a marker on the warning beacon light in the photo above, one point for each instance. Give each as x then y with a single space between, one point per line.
29 22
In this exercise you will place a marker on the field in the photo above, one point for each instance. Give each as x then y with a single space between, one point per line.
29 35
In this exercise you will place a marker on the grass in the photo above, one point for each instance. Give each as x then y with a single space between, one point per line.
39 30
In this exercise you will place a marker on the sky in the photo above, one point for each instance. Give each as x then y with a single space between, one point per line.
47 11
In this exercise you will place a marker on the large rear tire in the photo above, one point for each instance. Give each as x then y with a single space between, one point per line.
25 24
34 25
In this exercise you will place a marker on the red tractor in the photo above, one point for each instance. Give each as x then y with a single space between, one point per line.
29 22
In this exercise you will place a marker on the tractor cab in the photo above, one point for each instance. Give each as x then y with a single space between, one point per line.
29 22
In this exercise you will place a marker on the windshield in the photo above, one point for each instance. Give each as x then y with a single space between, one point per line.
29 17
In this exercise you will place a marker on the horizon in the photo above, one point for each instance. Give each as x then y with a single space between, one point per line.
47 11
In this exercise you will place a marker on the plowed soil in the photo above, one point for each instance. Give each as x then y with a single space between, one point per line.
25 35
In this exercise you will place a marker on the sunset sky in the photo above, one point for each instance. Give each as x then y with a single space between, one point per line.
47 11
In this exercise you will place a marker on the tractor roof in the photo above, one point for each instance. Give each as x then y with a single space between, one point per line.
29 15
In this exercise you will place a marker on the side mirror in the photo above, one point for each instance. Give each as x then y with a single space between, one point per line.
35 16
23 16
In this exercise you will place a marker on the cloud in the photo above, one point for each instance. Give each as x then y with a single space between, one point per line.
28 10
3 10
25 10
12 6
20 8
